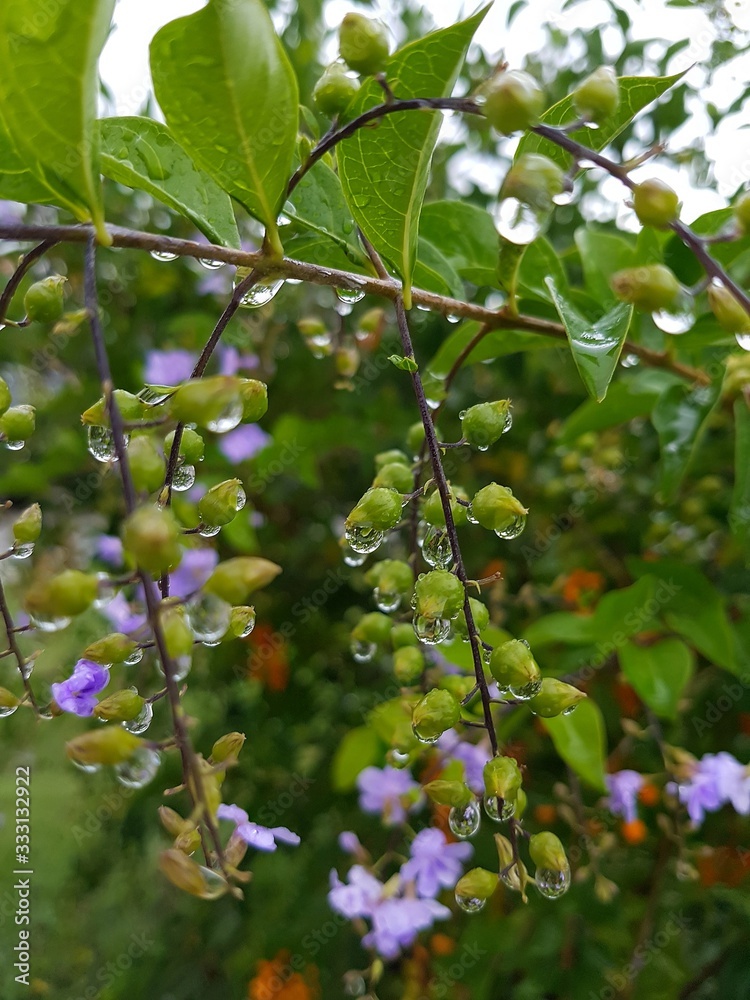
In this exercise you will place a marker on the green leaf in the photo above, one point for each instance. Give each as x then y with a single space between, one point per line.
739 511
623 613
318 204
658 673
359 749
679 417
314 248
561 627
403 364
384 170
596 346
48 95
434 273
229 94
636 92
465 234
497 344
580 740
539 261
140 153
625 400
602 254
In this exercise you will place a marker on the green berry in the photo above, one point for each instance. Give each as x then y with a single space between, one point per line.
655 203
5 396
395 476
403 635
650 288
254 396
235 579
44 301
449 793
131 408
363 44
146 464
437 712
513 100
28 527
408 664
432 508
534 180
18 423
730 313
742 212
113 648
484 424
334 91
222 502
122 706
479 613
598 96
373 627
206 401
379 508
494 507
107 745
547 852
513 665
439 594
555 698
394 456
151 536
478 883
192 445
502 778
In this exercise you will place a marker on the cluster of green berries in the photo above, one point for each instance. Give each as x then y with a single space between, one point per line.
364 48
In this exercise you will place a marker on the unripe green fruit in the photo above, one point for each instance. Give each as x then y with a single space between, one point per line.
479 613
122 706
334 91
72 592
28 527
146 464
439 594
44 302
521 803
8 699
650 288
391 576
107 745
408 664
178 636
205 401
235 579
192 445
18 423
513 665
459 685
363 44
415 437
241 623
485 423
379 508
742 212
655 203
391 457
449 793
478 883
730 313
494 507
227 747
5 396
437 712
598 96
502 778
395 477
312 326
534 180
151 536
373 627
513 100
432 508
403 635
555 698
254 395
222 502
131 408
113 648
546 851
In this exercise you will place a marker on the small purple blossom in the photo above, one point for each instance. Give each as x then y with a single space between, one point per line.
718 779
357 897
434 863
623 792
384 791
473 756
231 361
78 693
169 367
243 442
349 842
262 838
397 921
109 549
195 568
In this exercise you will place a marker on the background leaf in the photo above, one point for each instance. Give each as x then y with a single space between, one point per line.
739 512
581 742
679 417
658 673
465 234
496 344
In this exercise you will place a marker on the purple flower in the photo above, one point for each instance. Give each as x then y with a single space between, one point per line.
434 863
124 616
262 838
716 780
109 549
196 567
349 842
78 693
358 897
623 790
473 756
384 791
243 442
168 367
397 921
231 361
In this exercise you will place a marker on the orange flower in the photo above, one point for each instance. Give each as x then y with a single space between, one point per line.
722 865
442 944
269 660
649 794
277 980
581 588
545 814
634 832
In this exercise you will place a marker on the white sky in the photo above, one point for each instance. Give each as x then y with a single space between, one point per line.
125 69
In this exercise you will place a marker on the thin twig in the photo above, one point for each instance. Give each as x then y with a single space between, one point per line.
14 648
28 259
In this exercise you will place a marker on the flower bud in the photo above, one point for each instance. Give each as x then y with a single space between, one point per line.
534 180
227 747
44 301
391 576
598 96
379 508
373 627
178 636
130 407
403 635
516 877
484 423
5 396
312 326
108 745
254 396
18 423
222 502
241 623
173 823
235 579
513 665
439 594
408 664
432 508
363 44
459 685
650 288
395 476
742 213
151 536
122 706
502 778
188 842
391 457
449 793
730 313
146 464
8 699
206 401
546 851
69 593
521 803
192 446
480 614
494 507
437 712
477 884
655 203
28 527
513 100
185 874
415 437
334 91
113 648
555 698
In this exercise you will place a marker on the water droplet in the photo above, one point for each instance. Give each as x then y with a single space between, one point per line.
140 769
135 657
497 813
743 340
105 593
629 361
470 515
101 443
567 195
6 710
352 558
508 422
142 721
464 822
429 740
397 758
517 222
228 419
470 904
678 320
155 395
249 626
364 540
436 548
362 651
453 319
163 255
431 631
23 550
86 768
570 709
260 294
208 617
320 345
241 499
422 308
210 265
350 296
49 624
422 528
14 445
552 884
526 691
209 530
514 529
354 985
386 601
184 477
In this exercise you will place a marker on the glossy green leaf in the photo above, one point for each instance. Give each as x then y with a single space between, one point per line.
581 741
636 92
601 255
679 417
140 153
314 248
563 627
402 363
384 170
739 512
48 94
626 399
318 204
359 749
465 234
623 613
434 273
658 673
596 346
229 94
496 344
538 262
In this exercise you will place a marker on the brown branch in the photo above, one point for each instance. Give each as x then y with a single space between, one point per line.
28 259
15 649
